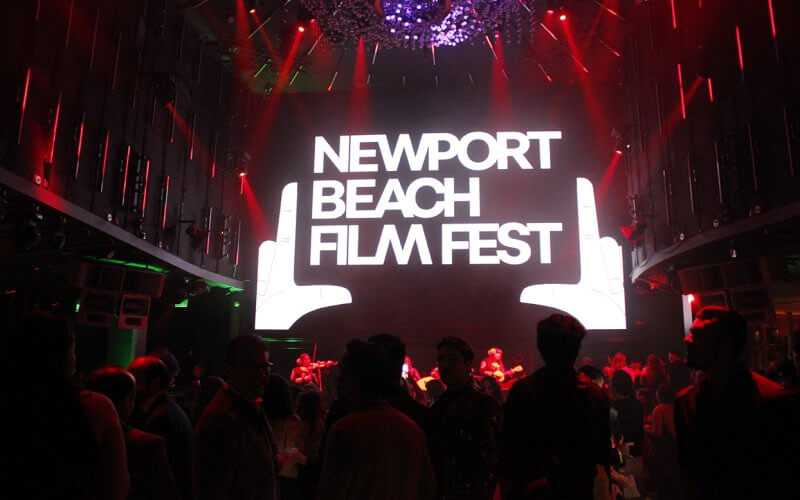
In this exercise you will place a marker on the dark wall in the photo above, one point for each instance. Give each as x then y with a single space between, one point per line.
135 75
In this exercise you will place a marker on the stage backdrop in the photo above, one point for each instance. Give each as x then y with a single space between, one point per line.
432 213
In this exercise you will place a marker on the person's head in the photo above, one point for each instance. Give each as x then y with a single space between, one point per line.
454 359
619 361
118 385
665 394
309 406
364 371
716 338
558 338
151 376
170 362
622 384
303 360
42 346
495 353
247 365
594 375
491 387
277 398
586 361
198 371
395 351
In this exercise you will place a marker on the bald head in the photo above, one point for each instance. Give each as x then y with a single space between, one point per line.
151 375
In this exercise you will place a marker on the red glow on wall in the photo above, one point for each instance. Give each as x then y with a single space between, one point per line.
772 19
710 91
680 86
24 103
608 176
55 129
125 174
739 49
105 161
259 224
164 207
144 192
80 145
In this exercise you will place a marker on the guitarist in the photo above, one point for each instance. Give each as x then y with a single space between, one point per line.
492 366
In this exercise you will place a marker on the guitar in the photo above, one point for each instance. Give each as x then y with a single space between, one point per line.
501 376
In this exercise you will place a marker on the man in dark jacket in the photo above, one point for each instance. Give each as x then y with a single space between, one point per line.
159 414
556 436
737 432
234 449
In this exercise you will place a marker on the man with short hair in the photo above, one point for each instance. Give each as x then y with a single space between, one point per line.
159 414
555 441
375 452
466 423
233 444
737 432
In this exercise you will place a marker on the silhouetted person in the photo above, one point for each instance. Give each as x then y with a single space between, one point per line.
59 441
627 423
151 475
662 462
738 433
234 449
466 423
278 406
159 414
394 391
556 435
376 452
678 372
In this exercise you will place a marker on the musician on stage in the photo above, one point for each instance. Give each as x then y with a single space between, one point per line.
303 373
492 364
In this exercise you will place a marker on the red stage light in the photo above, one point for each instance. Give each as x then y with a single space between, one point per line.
253 10
301 28
562 17
550 11
618 152
242 174
690 298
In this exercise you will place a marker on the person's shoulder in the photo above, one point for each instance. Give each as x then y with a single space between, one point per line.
136 438
218 413
96 404
767 389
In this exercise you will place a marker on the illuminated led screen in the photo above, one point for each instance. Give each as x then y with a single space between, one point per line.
423 219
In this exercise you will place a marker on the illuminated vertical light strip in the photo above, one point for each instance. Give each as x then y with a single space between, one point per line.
433 54
585 70
146 177
330 86
105 161
610 11
69 22
674 17
24 104
116 62
191 137
680 85
549 32
94 38
208 229
739 48
55 128
214 156
772 19
164 207
238 241
375 54
241 184
80 144
788 141
489 43
604 44
546 75
710 91
125 174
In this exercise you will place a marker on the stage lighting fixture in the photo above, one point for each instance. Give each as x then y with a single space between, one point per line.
618 152
550 12
301 28
241 172
733 253
253 10
562 17
28 232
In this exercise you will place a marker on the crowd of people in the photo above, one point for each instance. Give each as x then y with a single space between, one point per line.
704 427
